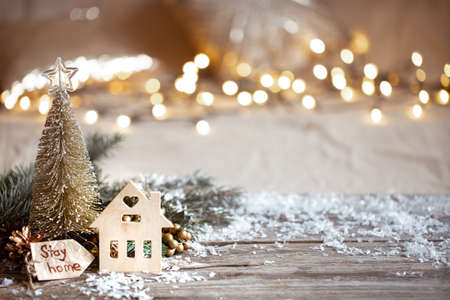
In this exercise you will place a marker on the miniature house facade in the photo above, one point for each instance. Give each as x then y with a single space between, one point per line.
131 219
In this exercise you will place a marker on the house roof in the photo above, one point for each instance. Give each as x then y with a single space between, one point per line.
144 206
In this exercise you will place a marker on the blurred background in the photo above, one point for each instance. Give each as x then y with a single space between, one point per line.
286 95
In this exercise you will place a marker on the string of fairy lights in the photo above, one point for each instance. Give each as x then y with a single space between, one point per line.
246 85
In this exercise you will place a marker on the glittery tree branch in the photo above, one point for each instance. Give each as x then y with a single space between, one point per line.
65 196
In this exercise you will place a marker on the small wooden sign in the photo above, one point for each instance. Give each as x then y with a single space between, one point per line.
60 259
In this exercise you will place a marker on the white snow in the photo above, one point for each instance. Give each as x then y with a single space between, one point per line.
337 218
6 282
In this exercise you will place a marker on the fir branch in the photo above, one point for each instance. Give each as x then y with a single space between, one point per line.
15 195
99 144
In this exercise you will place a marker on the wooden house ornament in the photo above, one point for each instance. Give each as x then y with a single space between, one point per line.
131 218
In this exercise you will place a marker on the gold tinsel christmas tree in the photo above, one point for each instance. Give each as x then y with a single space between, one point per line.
65 196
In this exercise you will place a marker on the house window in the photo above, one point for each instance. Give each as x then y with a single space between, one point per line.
131 218
130 248
114 249
147 249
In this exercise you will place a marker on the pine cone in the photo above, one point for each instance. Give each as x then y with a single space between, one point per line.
20 246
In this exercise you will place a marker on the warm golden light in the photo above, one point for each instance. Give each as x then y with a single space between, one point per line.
190 67
393 78
230 88
376 115
116 87
123 121
298 86
266 80
339 81
159 111
243 69
360 42
416 59
424 97
152 85
244 98
445 81
185 84
201 60
347 94
443 97
205 98
416 111
203 127
179 84
44 104
10 101
260 96
368 87
91 117
308 102
320 72
421 75
156 98
337 71
370 71
385 88
284 82
347 56
288 74
25 103
317 46
447 70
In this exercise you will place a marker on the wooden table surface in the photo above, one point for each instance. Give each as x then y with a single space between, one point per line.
263 270
295 269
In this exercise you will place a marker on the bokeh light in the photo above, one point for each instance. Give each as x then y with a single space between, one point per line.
201 60
243 69
298 86
376 115
317 46
44 104
385 88
123 121
368 87
203 127
347 56
284 82
205 98
156 98
91 117
370 71
159 111
260 96
416 111
416 59
424 96
347 94
320 72
339 81
152 85
244 98
443 97
266 80
230 88
25 103
308 102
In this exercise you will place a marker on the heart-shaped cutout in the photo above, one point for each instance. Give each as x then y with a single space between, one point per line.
130 201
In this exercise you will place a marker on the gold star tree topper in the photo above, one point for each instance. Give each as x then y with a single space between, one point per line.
60 77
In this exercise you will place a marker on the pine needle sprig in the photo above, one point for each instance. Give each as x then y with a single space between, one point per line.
15 195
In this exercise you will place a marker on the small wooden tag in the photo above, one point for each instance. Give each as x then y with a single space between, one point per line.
60 259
